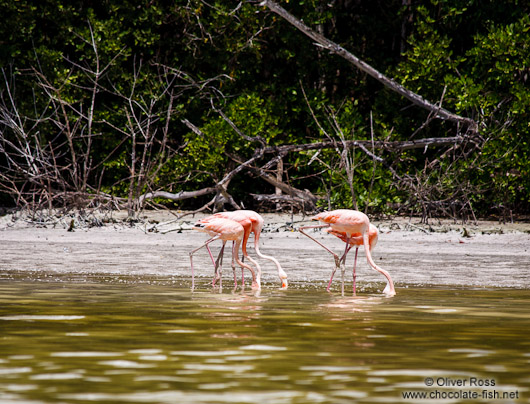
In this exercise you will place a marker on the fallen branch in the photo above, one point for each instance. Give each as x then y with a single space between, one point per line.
178 196
377 144
308 199
275 199
220 188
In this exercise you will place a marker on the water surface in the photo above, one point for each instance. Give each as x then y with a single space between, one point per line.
118 339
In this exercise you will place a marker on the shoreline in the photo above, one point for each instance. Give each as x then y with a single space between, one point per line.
445 254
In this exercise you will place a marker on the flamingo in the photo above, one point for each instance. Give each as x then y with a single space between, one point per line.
225 230
351 225
253 223
357 241
247 227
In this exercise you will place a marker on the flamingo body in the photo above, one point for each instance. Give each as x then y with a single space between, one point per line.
344 220
356 239
253 222
226 229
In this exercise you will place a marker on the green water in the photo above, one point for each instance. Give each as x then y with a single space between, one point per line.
109 340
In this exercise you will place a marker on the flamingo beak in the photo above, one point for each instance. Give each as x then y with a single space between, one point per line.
284 283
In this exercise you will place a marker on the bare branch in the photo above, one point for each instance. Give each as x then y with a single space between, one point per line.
366 68
379 144
179 196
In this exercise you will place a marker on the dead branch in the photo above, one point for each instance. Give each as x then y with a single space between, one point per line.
332 47
378 144
300 203
221 188
304 198
179 196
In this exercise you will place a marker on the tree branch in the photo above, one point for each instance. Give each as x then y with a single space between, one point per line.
309 200
379 144
178 196
332 47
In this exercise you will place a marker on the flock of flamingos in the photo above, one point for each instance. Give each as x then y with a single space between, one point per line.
351 226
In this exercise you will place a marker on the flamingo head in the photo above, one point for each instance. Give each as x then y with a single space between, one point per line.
283 277
389 290
256 284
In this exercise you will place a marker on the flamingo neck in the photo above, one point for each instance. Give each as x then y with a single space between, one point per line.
256 278
389 289
268 257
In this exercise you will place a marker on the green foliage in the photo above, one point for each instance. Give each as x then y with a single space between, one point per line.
502 65
487 80
253 115
255 67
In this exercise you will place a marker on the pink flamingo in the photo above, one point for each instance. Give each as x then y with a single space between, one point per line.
247 227
352 225
253 222
357 241
225 230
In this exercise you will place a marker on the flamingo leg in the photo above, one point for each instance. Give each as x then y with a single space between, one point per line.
191 258
234 268
218 264
256 281
354 274
318 226
342 270
337 259
339 263
214 264
242 270
211 256
331 279
343 264
220 267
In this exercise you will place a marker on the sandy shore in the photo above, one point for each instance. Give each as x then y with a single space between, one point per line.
485 255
